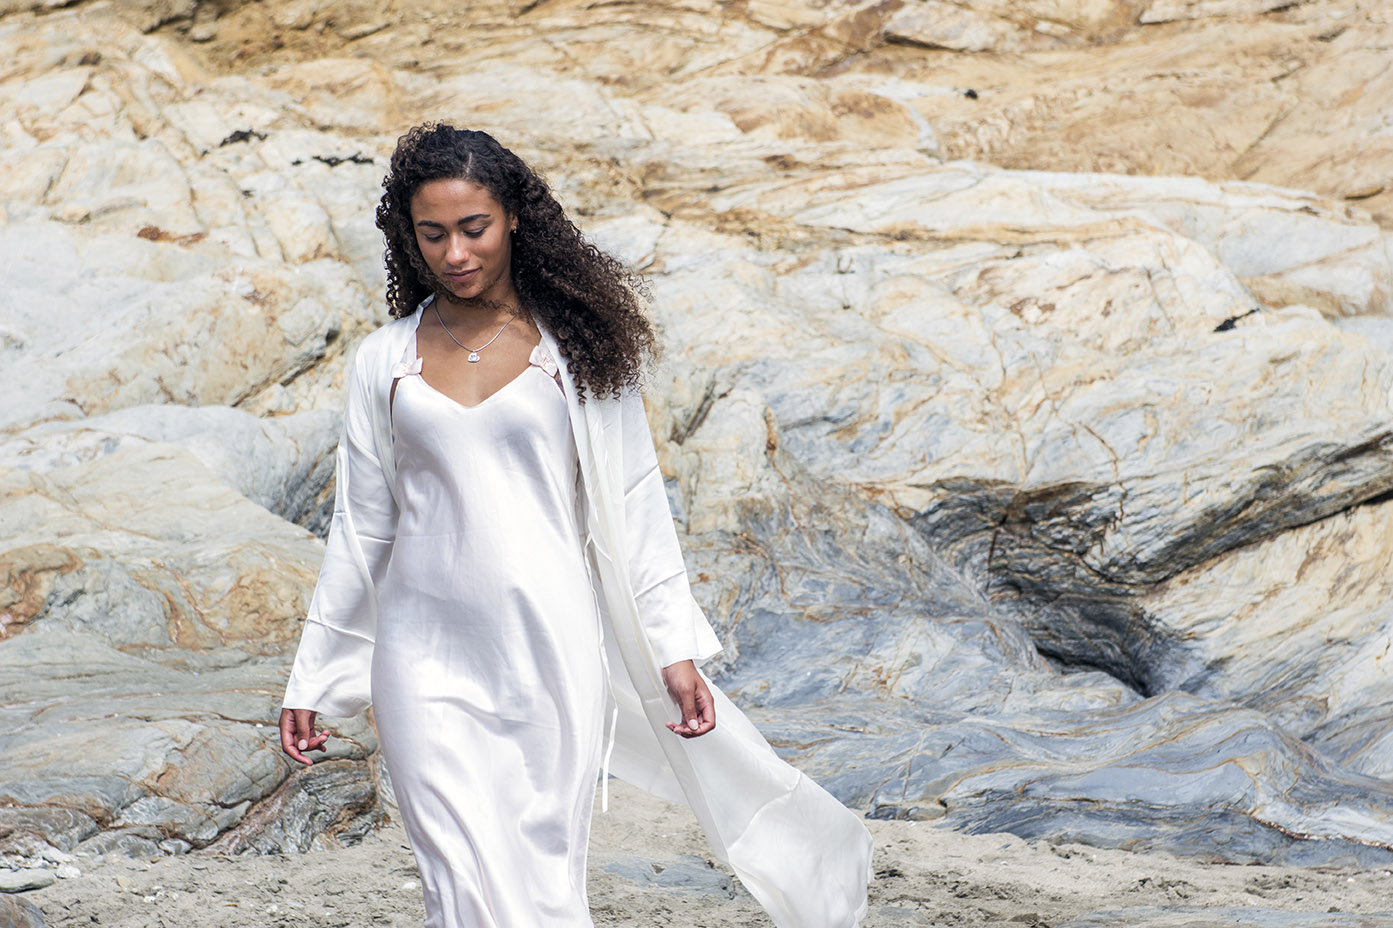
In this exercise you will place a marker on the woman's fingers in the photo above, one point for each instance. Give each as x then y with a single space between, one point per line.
693 698
298 734
703 716
289 737
706 708
309 739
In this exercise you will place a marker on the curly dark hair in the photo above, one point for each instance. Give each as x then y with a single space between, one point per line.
588 300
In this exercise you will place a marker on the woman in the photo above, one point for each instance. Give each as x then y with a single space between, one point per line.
502 577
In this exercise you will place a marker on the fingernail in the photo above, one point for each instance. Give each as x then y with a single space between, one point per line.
692 723
304 744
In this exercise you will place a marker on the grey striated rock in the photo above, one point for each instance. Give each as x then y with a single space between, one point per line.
334 800
928 700
49 822
1298 627
107 752
1107 454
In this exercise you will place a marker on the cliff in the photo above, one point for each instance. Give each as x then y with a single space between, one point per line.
1026 404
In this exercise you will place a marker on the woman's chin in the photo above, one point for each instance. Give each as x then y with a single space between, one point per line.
457 293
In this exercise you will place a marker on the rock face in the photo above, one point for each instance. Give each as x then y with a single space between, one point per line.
1032 500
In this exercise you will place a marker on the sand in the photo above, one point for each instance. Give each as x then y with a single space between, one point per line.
650 866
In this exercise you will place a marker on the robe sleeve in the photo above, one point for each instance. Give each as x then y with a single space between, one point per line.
674 623
333 663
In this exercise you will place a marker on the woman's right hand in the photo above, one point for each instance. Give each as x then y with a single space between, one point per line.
298 734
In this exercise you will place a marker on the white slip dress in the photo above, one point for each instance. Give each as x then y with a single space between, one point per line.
488 686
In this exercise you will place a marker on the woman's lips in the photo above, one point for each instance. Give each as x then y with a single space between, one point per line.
463 276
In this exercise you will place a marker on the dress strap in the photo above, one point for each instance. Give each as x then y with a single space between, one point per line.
541 358
410 362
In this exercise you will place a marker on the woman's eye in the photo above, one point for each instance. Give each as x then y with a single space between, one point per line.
432 238
473 233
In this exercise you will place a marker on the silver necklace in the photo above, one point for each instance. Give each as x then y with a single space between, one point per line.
473 352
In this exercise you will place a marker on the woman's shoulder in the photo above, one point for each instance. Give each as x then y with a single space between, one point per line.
383 345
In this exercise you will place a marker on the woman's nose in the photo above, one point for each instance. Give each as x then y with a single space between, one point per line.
457 251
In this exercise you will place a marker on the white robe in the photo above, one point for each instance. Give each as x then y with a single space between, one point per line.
800 852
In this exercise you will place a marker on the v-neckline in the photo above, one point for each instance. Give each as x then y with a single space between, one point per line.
414 351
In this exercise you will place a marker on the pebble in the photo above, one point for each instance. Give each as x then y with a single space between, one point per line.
18 881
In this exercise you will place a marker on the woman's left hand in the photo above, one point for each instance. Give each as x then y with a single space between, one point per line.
689 691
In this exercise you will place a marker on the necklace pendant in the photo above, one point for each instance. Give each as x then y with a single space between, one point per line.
473 356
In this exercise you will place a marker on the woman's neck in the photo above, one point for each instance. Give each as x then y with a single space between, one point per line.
480 311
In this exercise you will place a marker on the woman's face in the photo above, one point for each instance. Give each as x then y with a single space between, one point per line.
465 237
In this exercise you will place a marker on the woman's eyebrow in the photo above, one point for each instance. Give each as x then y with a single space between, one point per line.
472 218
